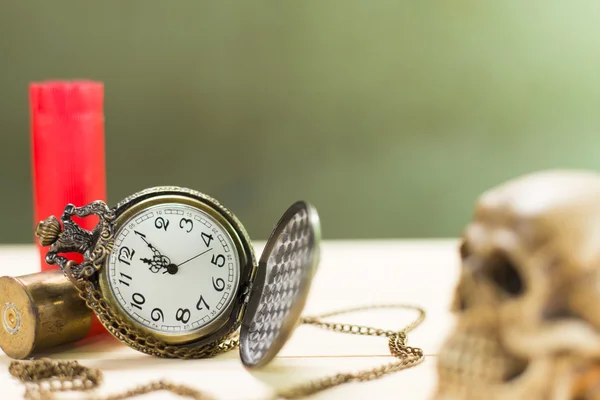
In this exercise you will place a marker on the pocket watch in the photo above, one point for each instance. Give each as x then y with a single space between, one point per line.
171 272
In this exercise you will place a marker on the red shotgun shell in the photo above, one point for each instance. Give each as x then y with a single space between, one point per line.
67 151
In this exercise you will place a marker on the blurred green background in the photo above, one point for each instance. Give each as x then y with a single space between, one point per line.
390 116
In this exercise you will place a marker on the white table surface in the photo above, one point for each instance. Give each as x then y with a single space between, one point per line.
351 273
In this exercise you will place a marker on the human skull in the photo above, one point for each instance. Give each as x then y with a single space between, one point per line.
528 297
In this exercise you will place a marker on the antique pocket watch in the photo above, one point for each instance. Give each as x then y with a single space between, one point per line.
172 273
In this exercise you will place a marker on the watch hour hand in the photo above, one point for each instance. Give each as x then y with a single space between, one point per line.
156 263
153 266
146 261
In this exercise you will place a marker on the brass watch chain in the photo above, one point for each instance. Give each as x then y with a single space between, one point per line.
44 377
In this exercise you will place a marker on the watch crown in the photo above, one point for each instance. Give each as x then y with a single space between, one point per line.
48 231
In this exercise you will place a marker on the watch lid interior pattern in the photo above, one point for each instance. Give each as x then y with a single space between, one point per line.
286 269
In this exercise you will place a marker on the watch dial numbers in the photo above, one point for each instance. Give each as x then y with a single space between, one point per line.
207 239
157 315
218 284
173 301
138 300
201 304
125 255
219 260
186 224
125 276
183 315
161 223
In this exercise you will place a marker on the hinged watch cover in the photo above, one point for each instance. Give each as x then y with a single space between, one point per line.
285 272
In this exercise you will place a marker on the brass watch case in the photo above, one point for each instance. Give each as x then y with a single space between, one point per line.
267 305
231 318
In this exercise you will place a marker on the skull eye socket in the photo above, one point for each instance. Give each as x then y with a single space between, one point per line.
505 275
464 250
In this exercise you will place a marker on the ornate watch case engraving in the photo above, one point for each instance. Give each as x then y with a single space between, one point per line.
97 244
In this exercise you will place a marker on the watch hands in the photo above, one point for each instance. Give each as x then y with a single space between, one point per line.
148 243
173 269
158 261
196 256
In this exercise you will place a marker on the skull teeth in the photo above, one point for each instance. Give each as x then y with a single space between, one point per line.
469 357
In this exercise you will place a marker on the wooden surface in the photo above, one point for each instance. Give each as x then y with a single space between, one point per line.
351 273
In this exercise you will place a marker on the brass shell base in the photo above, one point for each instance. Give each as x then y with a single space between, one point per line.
40 311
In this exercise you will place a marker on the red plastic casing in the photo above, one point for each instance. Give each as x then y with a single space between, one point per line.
67 152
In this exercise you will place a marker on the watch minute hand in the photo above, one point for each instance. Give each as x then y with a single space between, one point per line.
143 237
154 250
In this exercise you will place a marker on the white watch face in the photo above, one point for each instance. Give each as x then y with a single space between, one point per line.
174 268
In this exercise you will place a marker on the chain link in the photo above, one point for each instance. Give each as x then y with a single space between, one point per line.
408 356
362 329
44 377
